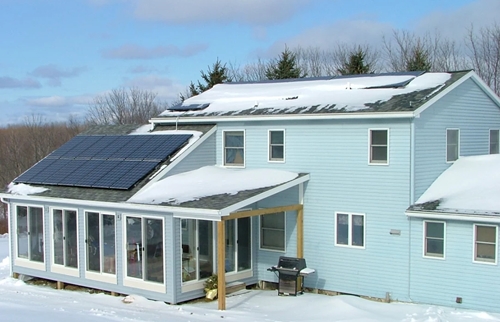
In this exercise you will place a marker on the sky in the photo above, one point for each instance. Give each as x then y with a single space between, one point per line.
56 56
20 302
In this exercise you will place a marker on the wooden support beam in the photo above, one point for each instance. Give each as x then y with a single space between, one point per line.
15 275
300 233
221 260
60 285
263 211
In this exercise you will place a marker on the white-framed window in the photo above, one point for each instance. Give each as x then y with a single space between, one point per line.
276 145
434 239
100 246
452 144
485 243
494 141
234 148
30 236
272 231
378 146
350 229
65 241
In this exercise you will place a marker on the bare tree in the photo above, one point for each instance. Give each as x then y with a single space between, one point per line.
484 54
123 106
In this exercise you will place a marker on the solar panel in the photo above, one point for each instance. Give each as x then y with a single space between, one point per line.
100 161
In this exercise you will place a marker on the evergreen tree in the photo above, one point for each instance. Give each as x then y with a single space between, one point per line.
284 67
356 64
216 74
418 61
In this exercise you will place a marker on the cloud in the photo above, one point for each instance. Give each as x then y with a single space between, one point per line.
58 101
10 82
253 12
54 73
139 52
453 24
166 89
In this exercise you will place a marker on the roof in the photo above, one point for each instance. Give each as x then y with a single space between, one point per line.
470 186
390 92
114 195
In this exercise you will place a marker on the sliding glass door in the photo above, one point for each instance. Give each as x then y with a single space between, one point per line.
100 243
197 249
30 237
65 237
238 245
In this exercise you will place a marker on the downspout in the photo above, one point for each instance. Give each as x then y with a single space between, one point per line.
10 235
411 197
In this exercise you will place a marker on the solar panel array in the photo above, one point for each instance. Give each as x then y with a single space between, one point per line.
104 161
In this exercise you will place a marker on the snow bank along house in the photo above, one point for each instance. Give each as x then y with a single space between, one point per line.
328 169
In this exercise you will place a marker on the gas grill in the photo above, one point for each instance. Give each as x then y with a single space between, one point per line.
291 272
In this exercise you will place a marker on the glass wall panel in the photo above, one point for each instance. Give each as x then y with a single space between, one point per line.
154 255
134 246
71 238
189 262
58 236
230 246
206 248
22 232
93 242
108 223
244 244
36 234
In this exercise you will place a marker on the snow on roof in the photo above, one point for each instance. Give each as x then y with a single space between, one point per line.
471 183
209 181
24 189
350 93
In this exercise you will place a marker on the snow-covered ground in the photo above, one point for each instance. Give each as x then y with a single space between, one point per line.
22 302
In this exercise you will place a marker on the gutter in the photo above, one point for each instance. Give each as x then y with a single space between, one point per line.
117 205
452 216
294 117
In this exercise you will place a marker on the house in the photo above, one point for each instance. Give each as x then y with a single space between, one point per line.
329 169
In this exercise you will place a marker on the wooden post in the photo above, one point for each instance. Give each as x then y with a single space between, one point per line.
15 275
60 285
221 260
300 232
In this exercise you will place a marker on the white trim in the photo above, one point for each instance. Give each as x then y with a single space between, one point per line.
161 173
370 162
284 234
446 143
58 268
228 210
349 230
269 146
452 216
424 237
474 239
223 163
101 277
283 117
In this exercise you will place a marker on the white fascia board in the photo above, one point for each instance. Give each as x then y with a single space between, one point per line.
123 206
452 216
162 172
433 100
294 117
228 210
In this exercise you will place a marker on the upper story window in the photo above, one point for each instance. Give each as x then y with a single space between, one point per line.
434 233
452 144
494 138
379 146
485 244
234 148
272 231
350 229
276 145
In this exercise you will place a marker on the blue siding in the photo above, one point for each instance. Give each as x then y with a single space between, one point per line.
335 153
440 281
467 108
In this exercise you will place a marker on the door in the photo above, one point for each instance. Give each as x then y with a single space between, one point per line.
238 245
144 241
65 238
197 249
30 237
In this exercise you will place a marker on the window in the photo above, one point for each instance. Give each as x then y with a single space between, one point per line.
485 243
379 146
272 231
198 255
494 138
100 243
350 230
234 148
276 145
65 237
434 239
452 144
30 237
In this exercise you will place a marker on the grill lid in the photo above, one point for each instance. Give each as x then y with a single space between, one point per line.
291 263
